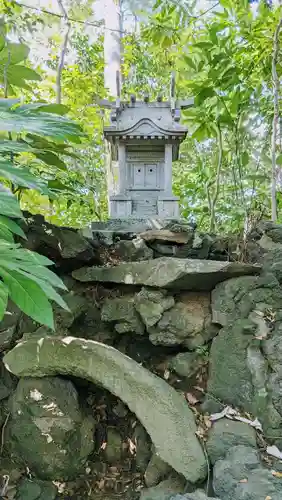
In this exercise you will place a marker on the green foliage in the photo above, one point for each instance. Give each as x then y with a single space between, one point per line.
40 131
222 57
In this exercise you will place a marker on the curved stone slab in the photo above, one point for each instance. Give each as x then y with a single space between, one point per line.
162 411
168 272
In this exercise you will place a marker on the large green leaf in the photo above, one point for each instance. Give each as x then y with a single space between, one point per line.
16 73
20 176
3 299
58 109
44 274
5 233
9 205
16 147
12 226
204 94
23 255
47 124
28 296
13 53
51 159
48 290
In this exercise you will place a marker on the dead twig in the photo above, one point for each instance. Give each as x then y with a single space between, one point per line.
3 433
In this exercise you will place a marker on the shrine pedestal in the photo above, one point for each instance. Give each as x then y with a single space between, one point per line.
125 206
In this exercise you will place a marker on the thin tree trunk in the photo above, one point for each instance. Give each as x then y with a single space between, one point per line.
62 54
276 88
112 59
212 198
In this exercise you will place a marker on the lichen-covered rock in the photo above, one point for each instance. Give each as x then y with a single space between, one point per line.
230 378
180 237
227 433
33 489
156 471
47 430
239 372
133 251
186 364
226 296
113 450
77 306
196 495
59 241
166 272
143 450
165 490
9 327
272 263
188 318
161 410
7 382
151 304
121 311
241 476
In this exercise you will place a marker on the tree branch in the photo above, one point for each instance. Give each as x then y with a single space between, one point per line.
276 88
212 199
62 55
97 24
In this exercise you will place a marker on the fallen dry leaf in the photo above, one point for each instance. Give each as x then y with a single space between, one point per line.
243 481
132 446
101 484
207 421
191 399
276 474
200 433
268 498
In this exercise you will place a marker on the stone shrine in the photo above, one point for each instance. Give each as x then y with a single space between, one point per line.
145 138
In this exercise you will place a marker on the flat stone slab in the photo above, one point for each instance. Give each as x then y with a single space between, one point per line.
168 272
166 235
161 410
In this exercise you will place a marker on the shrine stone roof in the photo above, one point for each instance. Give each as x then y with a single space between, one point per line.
141 120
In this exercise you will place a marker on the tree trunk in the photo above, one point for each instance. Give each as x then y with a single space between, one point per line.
62 54
112 59
213 196
276 88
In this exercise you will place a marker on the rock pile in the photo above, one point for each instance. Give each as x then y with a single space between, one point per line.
165 329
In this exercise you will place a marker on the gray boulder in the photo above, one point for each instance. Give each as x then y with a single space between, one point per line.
35 489
65 243
143 449
165 490
7 382
186 364
121 311
226 433
245 366
77 306
113 450
132 251
196 495
166 272
161 410
156 471
151 305
47 430
188 319
241 476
